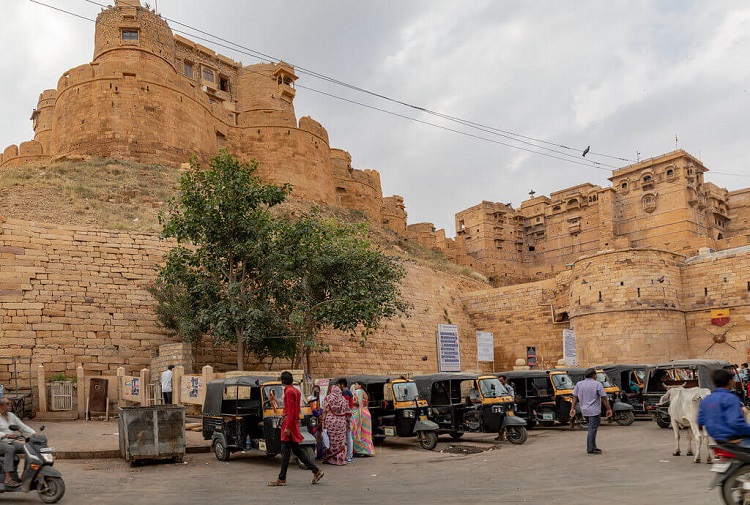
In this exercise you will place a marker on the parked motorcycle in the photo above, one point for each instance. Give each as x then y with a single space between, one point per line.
732 473
38 474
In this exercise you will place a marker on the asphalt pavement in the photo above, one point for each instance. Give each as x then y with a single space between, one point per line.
552 467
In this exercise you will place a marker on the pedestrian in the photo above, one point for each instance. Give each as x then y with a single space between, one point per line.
317 411
590 394
166 385
721 412
347 394
504 381
744 372
361 423
290 433
336 415
9 444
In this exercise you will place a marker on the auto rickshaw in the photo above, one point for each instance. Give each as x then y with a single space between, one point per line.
631 379
687 373
622 413
244 413
469 403
396 409
543 397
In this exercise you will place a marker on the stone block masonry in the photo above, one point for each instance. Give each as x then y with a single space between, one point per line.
71 296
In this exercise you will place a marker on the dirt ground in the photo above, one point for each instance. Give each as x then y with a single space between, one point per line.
551 467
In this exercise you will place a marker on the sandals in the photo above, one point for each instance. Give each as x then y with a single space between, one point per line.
11 483
318 475
277 482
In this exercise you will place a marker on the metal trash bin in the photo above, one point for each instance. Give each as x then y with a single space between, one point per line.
152 433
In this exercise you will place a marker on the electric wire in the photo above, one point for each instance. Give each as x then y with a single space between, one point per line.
572 159
488 129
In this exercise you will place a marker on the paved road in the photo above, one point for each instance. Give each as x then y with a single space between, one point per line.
551 467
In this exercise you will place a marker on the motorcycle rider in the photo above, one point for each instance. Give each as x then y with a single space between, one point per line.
721 412
9 444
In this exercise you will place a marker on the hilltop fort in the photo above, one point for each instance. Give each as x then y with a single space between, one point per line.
633 270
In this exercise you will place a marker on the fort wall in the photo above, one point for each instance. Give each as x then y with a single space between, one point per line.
71 295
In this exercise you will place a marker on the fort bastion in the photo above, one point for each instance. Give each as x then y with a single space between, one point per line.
633 270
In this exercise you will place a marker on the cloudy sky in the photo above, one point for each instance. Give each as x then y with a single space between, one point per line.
623 77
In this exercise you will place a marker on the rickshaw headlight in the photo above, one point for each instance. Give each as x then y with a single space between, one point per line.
497 409
410 413
313 421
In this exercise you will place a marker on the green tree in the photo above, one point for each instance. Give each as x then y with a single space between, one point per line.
215 280
245 276
335 278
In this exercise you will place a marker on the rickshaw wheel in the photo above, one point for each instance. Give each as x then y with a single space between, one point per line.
455 435
625 418
221 451
428 439
310 452
731 489
516 434
663 423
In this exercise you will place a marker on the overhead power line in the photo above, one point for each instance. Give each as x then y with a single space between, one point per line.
516 137
557 155
509 135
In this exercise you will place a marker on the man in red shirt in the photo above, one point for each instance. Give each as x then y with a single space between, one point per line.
290 434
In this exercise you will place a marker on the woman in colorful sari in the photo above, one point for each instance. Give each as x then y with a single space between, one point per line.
361 424
336 415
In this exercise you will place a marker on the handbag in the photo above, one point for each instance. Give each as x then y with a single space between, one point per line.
324 438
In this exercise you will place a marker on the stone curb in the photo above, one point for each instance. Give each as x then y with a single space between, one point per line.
115 453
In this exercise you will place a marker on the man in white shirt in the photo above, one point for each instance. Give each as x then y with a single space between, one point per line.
9 444
166 385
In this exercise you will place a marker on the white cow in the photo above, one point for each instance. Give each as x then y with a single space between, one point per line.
683 411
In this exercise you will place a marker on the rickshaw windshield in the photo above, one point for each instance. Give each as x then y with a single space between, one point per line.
492 388
602 377
562 381
274 394
405 391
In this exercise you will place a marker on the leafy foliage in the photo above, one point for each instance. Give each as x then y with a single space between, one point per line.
244 276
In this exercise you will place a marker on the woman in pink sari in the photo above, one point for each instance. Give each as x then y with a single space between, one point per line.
335 420
361 424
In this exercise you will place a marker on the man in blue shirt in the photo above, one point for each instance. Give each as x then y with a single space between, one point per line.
721 411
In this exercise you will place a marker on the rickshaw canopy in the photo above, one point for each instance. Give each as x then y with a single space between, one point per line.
213 405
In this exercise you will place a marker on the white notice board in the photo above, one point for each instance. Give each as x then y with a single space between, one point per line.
485 346
449 353
570 349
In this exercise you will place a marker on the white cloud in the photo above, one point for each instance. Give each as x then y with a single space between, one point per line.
622 76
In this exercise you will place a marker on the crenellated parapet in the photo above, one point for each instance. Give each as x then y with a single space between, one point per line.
26 152
393 214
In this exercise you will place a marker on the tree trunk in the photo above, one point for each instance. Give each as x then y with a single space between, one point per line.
240 351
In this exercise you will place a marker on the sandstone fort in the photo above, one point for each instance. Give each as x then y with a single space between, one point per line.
635 270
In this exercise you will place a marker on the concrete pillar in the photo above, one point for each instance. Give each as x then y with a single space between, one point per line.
120 386
177 373
208 376
42 387
81 391
145 379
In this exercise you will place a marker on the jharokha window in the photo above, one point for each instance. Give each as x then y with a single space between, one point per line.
208 75
188 70
130 35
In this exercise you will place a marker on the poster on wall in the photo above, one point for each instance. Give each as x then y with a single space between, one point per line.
485 346
531 355
570 352
449 353
135 386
